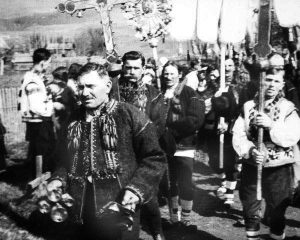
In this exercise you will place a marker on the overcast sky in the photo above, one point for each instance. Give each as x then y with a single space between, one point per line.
14 8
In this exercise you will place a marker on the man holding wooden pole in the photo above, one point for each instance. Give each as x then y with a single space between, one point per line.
225 106
280 124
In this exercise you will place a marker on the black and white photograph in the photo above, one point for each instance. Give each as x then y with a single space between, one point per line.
149 119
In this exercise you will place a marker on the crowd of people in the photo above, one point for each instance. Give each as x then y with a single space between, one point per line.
129 132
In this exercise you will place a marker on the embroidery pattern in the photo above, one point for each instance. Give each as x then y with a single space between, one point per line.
273 111
82 140
136 95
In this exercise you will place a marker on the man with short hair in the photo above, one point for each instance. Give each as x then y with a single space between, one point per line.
147 99
114 156
276 62
36 108
131 87
281 132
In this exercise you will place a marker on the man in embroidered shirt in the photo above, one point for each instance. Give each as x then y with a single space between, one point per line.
281 125
36 109
114 155
132 88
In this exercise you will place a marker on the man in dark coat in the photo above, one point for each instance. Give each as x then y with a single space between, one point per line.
131 87
184 114
225 104
114 156
146 98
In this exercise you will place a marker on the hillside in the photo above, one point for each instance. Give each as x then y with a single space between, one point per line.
58 24
43 19
17 8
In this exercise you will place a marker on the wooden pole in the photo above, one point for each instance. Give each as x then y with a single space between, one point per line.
154 52
262 49
1 66
180 49
260 135
107 31
153 42
222 120
38 166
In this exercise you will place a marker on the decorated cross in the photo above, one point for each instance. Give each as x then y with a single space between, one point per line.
103 7
150 19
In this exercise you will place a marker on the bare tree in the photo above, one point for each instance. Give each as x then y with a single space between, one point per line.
90 42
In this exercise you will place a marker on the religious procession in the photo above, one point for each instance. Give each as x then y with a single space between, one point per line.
131 146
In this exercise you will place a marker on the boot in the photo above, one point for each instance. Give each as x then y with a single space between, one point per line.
174 209
273 236
252 235
222 189
186 209
159 236
229 195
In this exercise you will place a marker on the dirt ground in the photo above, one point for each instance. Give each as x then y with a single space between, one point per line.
213 221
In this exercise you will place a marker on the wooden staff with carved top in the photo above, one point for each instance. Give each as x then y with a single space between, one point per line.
262 49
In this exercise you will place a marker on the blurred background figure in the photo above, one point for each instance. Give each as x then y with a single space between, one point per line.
161 62
191 77
64 103
202 80
72 81
36 107
150 74
3 151
114 70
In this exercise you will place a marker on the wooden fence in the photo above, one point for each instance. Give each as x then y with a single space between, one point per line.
10 116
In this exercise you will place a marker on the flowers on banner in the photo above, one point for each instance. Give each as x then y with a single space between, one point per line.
149 17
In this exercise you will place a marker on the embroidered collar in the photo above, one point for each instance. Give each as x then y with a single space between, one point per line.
269 105
134 94
84 139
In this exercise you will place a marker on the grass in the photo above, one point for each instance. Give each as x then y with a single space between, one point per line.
214 222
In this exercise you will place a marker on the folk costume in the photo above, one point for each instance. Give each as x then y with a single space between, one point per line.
225 106
148 100
208 128
36 108
62 117
3 151
143 96
116 150
184 114
280 146
251 88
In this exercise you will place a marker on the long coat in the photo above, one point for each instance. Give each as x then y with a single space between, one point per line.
141 160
